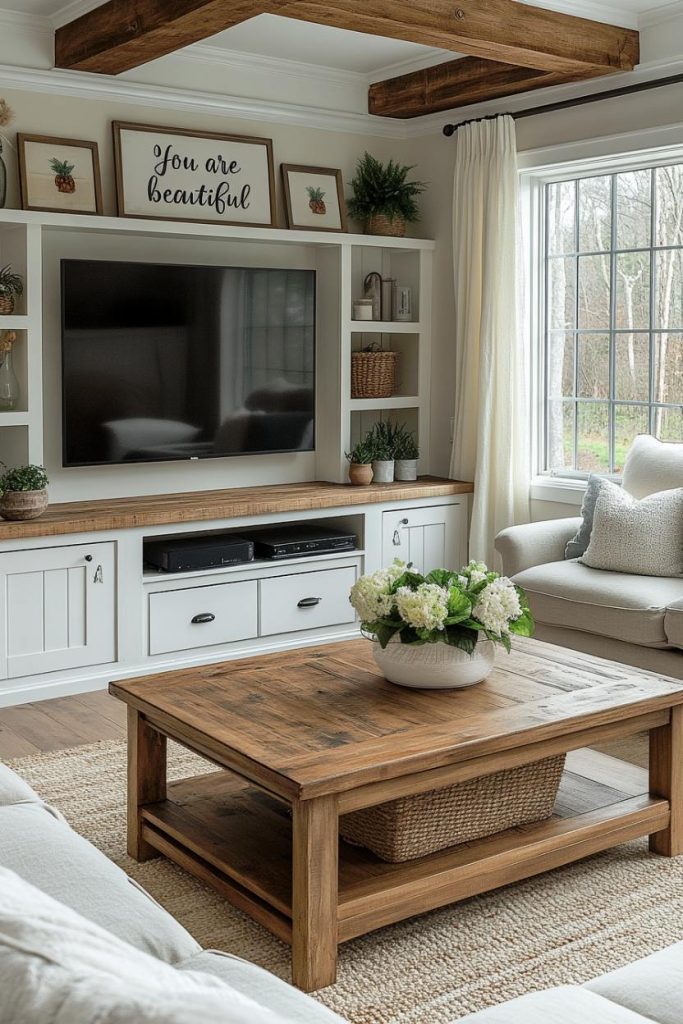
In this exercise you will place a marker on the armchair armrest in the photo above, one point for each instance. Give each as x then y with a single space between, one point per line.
522 547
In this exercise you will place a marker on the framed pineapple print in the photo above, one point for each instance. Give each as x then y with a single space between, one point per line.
59 175
314 198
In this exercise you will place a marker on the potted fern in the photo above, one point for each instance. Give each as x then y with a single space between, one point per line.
11 285
382 198
23 492
360 463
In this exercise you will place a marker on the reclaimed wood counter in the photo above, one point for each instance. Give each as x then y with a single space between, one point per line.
231 503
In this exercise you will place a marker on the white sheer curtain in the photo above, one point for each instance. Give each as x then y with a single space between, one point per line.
491 436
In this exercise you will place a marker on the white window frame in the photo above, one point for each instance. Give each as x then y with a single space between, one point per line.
632 151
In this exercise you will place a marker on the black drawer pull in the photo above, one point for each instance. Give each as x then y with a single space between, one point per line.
204 617
309 602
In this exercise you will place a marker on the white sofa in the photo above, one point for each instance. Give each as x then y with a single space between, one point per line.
637 620
39 846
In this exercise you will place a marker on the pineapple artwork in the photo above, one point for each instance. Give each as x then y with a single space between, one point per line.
63 172
316 200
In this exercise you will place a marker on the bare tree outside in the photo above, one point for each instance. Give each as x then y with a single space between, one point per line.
614 322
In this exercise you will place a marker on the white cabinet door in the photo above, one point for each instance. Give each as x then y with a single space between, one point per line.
430 538
57 609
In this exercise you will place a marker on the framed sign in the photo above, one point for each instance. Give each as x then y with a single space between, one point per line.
59 175
314 197
179 174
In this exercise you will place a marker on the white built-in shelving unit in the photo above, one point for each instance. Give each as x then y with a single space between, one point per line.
342 262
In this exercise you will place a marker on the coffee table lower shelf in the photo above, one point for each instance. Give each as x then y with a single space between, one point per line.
239 840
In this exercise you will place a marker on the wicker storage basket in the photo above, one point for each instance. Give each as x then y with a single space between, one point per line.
414 826
6 304
380 224
373 374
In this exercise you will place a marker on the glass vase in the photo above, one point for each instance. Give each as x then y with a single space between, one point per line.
9 385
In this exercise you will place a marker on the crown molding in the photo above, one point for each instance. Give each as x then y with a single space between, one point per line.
661 14
21 20
71 11
206 53
96 87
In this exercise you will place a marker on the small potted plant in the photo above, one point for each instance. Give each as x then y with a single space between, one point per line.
382 440
360 463
23 492
382 198
406 454
442 629
11 285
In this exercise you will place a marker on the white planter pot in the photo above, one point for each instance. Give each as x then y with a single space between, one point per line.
383 472
434 666
405 469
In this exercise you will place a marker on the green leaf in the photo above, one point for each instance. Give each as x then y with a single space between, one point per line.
524 625
442 577
459 607
464 639
383 630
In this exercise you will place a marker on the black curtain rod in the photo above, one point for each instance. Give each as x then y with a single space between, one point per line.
579 101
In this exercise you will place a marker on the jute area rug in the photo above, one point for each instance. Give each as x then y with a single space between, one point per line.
563 927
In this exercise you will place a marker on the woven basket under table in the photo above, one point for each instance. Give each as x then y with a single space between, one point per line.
414 826
373 374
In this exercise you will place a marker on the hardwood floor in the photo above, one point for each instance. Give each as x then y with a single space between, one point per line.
59 723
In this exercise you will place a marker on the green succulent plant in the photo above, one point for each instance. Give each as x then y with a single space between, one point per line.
380 188
10 283
362 453
23 478
405 445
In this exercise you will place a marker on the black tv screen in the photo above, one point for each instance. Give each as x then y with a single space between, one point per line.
167 362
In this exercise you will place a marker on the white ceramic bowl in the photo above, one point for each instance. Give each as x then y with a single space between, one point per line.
434 666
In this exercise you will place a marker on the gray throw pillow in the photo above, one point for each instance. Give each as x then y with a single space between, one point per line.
578 545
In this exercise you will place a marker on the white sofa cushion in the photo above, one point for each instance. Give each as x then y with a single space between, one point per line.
14 790
652 466
565 1005
643 537
673 623
292 1005
653 986
58 968
619 605
50 855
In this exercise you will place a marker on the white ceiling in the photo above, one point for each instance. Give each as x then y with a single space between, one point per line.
284 39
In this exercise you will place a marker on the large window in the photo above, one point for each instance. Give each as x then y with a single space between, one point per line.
613 316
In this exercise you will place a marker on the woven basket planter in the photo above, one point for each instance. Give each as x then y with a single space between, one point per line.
373 374
6 305
380 224
415 826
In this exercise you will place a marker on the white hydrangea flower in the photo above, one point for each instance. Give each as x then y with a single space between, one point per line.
370 595
497 605
477 572
424 608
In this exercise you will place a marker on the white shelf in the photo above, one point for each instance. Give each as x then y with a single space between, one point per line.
395 402
15 322
152 576
14 419
384 326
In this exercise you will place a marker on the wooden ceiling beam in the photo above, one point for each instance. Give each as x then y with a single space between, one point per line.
457 83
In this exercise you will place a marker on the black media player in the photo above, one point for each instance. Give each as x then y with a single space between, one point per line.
294 541
192 554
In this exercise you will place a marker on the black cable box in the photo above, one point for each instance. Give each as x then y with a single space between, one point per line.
190 554
293 541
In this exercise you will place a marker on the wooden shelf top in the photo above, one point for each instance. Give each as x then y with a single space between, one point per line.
203 506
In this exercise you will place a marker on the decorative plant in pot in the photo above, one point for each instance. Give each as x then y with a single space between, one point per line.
360 463
23 492
382 198
382 440
439 630
406 454
11 285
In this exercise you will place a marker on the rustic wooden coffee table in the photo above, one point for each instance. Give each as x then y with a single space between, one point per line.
319 732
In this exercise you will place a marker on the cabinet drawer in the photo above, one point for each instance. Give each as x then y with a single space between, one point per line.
202 616
306 600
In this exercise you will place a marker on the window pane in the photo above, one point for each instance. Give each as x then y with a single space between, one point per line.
669 278
592 455
594 292
562 217
634 209
633 290
668 352
629 421
669 205
560 435
560 365
561 293
595 214
632 367
593 376
669 424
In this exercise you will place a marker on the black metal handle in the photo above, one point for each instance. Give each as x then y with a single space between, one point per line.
204 617
88 558
309 602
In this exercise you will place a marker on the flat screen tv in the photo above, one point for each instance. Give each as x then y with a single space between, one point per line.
163 362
